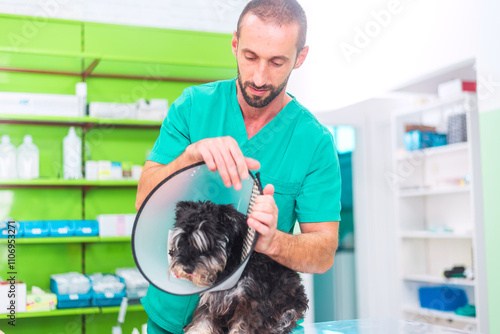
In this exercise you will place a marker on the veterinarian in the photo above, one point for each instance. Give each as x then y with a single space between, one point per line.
251 123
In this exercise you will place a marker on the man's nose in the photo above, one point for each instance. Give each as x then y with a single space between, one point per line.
260 74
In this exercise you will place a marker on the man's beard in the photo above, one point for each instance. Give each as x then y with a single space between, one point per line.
260 101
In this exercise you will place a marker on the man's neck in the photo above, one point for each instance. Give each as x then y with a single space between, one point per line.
256 118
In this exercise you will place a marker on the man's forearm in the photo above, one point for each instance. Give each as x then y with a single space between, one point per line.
312 252
155 174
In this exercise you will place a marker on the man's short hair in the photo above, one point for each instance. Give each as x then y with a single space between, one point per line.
278 12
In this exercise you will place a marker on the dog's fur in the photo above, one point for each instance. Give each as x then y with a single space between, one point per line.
206 247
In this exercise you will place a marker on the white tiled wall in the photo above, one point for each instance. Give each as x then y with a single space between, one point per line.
203 15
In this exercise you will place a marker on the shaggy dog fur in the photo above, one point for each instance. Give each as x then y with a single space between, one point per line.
206 247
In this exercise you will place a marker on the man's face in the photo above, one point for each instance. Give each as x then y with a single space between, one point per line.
266 55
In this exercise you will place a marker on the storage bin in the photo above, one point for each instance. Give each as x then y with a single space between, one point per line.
107 290
16 227
457 128
136 286
416 140
35 228
76 291
86 227
442 298
61 228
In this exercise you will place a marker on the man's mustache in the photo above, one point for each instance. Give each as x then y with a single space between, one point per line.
264 87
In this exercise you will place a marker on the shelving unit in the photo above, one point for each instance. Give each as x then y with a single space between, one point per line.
107 58
436 200
78 311
68 240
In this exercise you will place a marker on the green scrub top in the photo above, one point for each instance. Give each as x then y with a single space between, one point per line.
296 153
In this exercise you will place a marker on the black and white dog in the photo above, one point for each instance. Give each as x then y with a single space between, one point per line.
207 244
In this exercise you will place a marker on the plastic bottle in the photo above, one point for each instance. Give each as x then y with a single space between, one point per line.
81 93
72 155
7 159
28 159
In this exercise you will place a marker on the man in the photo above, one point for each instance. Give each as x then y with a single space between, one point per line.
251 123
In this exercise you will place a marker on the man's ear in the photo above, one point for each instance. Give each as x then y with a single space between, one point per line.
302 57
234 43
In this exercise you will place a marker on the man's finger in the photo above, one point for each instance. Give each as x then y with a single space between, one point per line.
252 164
240 161
258 226
231 168
262 217
221 166
268 190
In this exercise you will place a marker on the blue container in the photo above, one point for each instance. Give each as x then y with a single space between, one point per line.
416 140
35 228
16 227
108 298
61 228
86 228
442 298
73 300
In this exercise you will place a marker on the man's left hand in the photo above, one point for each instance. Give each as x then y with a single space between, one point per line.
264 219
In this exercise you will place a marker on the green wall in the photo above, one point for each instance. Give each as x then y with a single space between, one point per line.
149 57
490 153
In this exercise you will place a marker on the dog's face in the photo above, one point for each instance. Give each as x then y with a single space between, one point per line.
203 240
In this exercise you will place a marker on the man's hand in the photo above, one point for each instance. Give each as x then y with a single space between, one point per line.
264 219
224 155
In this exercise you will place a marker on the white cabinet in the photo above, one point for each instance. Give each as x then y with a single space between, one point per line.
437 197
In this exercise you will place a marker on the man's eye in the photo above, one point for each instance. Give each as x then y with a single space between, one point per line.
277 64
250 58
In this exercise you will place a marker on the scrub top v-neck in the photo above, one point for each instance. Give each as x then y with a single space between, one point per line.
297 156
253 144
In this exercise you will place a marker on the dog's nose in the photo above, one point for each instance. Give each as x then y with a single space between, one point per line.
188 270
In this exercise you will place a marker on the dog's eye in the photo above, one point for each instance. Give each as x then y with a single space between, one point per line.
171 252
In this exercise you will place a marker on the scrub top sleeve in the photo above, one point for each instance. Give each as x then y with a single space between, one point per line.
174 132
318 199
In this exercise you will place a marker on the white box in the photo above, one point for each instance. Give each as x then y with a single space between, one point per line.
115 225
113 110
116 170
12 292
104 169
91 170
39 104
155 110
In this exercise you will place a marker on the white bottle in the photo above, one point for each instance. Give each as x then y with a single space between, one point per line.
72 155
28 159
81 94
7 159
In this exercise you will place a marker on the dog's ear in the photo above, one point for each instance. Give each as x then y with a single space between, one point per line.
232 217
183 208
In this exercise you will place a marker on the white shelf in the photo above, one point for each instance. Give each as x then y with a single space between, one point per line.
433 191
436 104
439 185
432 151
451 316
434 235
439 280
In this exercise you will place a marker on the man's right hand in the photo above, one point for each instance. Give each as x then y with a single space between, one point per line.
224 155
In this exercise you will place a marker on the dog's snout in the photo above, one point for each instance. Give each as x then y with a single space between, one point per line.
188 270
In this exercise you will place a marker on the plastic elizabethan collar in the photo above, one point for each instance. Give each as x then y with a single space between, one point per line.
156 218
